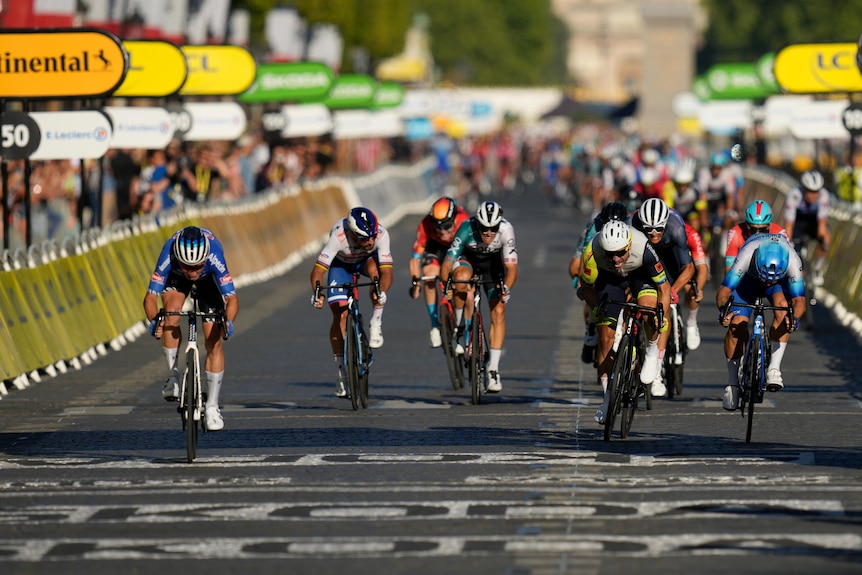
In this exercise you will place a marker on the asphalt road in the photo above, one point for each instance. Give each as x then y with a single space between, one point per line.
94 479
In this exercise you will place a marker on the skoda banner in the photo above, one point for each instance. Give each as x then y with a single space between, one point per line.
218 70
351 91
735 82
61 63
388 95
156 69
818 68
139 127
215 121
290 82
69 135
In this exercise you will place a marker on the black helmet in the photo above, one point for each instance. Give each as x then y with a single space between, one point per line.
613 211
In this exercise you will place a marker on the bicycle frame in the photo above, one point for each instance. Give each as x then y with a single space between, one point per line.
446 316
624 385
476 357
755 358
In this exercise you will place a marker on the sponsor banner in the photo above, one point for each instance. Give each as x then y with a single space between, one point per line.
68 135
818 68
218 70
306 120
819 120
700 88
156 69
290 82
735 82
417 104
388 95
367 124
61 63
725 117
215 121
138 127
351 91
778 112
765 70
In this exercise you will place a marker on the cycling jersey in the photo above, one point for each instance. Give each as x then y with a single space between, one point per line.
433 241
468 244
695 245
590 231
342 249
805 215
737 236
214 267
672 248
642 262
744 269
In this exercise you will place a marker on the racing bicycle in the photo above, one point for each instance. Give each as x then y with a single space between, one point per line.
357 353
624 385
677 350
446 316
755 359
476 353
192 398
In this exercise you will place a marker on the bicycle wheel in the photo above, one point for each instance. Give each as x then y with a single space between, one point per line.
447 331
629 393
476 359
620 372
647 388
752 382
351 359
190 408
365 369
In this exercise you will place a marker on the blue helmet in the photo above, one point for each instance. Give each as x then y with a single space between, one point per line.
362 222
191 246
718 159
771 260
758 213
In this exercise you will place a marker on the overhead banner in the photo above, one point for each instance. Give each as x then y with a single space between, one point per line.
725 117
818 68
351 91
290 82
218 70
61 63
819 120
214 121
156 69
735 82
388 95
367 124
139 127
82 134
306 120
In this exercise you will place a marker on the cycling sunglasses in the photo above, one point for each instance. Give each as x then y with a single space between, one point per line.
653 230
494 229
618 253
444 226
758 229
188 268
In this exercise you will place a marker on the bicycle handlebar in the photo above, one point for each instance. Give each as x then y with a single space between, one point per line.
220 318
375 282
725 309
658 310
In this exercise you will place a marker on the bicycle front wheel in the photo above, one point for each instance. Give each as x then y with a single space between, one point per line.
476 359
751 389
365 369
447 332
191 406
621 371
351 359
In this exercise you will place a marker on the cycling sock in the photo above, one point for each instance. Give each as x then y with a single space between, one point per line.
778 348
377 315
604 381
339 362
171 357
494 359
213 387
459 315
692 317
432 313
733 371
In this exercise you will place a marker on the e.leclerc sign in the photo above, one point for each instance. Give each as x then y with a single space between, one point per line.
60 63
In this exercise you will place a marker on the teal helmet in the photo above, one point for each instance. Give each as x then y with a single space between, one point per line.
758 213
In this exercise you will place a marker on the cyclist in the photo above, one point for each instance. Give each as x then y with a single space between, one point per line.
718 183
611 211
688 198
767 265
758 220
666 232
620 258
357 244
193 257
433 237
484 246
808 205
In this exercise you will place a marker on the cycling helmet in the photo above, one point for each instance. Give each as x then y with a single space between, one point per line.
654 213
650 156
758 213
362 222
443 212
771 260
616 236
718 159
613 211
649 176
489 214
812 180
684 174
191 246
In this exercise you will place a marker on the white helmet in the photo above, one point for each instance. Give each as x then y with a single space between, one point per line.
615 236
650 156
649 176
489 214
812 180
654 213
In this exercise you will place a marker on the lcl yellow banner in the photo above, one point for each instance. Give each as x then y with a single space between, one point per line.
818 68
218 70
156 69
61 63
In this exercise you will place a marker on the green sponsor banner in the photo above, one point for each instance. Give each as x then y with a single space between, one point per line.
700 88
388 95
764 68
351 91
735 82
290 82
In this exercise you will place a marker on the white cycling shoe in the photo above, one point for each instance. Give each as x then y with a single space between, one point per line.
436 338
214 420
730 401
375 335
692 336
651 367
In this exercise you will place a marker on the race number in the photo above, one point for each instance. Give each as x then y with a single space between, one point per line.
852 119
19 136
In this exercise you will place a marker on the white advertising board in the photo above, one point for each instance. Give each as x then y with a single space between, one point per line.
819 120
139 127
214 121
81 134
306 120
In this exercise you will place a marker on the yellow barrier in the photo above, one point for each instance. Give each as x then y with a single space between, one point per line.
25 325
